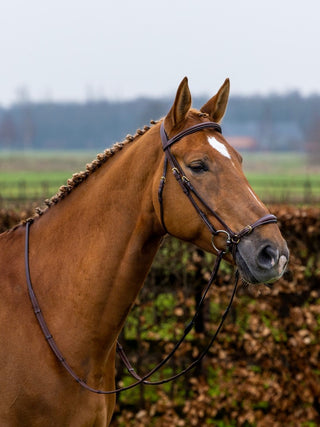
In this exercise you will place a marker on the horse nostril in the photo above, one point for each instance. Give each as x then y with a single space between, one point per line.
268 257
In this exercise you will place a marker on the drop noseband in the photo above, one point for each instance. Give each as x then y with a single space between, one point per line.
232 240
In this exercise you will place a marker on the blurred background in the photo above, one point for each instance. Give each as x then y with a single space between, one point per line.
78 76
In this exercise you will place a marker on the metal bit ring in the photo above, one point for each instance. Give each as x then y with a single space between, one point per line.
228 241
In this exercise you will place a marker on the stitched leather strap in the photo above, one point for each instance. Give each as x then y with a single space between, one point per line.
233 238
140 379
166 142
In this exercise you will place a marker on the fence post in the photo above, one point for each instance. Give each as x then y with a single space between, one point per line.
44 189
22 189
307 193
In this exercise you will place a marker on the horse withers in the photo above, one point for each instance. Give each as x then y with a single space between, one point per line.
90 250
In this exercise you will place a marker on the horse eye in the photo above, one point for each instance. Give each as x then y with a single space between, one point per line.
198 166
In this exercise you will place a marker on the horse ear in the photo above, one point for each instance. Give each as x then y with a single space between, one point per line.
217 105
180 107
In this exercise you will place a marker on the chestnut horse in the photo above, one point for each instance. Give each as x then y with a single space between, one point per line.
90 251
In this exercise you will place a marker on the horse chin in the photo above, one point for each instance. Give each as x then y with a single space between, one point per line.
247 277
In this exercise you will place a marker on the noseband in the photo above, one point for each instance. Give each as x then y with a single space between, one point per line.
232 240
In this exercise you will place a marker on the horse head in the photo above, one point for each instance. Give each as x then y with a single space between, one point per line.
221 209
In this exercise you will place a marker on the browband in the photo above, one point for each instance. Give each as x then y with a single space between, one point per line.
195 128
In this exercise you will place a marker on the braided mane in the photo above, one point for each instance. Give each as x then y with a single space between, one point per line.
79 177
101 158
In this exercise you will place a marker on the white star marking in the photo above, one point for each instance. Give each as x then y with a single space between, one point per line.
222 149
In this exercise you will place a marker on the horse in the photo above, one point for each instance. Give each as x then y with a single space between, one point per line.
91 247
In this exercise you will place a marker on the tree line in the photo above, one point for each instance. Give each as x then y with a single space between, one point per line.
274 122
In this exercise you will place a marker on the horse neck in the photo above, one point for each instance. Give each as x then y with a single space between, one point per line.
90 253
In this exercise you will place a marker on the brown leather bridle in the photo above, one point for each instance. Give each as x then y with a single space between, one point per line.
232 240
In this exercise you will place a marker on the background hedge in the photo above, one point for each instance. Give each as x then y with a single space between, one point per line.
264 369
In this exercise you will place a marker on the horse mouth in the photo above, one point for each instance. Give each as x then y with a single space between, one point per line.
250 278
245 274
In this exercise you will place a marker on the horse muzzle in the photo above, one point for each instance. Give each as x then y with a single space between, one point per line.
261 261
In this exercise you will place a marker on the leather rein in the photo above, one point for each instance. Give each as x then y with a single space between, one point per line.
232 240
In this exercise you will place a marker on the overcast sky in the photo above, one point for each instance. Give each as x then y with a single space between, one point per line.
79 49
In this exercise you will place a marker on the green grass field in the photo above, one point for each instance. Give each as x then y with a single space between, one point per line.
36 175
276 177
